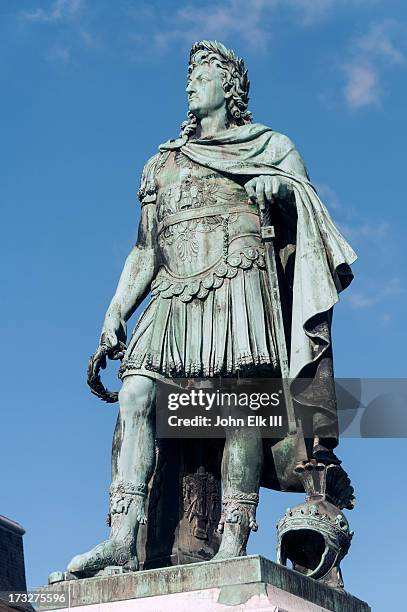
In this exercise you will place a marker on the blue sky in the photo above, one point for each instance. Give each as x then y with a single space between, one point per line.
89 89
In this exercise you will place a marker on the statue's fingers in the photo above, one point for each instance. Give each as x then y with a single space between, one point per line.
99 359
275 185
285 189
268 188
260 192
250 190
109 339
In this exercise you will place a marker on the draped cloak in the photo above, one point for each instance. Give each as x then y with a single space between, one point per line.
322 256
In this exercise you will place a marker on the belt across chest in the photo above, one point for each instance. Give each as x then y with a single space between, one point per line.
205 211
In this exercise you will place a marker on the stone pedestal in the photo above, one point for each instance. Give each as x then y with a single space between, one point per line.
244 583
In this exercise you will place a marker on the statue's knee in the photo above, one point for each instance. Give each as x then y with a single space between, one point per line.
136 396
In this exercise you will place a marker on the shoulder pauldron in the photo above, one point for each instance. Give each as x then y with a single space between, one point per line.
148 188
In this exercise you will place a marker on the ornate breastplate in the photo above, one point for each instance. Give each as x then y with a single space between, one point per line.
199 213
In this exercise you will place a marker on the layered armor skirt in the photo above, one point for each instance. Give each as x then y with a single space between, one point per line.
218 324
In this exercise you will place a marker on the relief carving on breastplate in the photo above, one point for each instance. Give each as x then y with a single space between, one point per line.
192 193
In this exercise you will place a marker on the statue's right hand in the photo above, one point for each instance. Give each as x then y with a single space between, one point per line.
113 337
98 362
109 337
109 347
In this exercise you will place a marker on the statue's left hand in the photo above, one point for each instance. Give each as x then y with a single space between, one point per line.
262 189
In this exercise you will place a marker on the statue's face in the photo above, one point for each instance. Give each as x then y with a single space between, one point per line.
205 91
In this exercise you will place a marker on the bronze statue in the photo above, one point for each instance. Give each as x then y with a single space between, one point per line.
202 254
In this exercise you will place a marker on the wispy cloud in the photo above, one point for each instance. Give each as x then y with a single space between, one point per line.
370 55
328 196
59 53
159 26
378 42
59 10
70 27
385 318
88 39
311 11
252 21
219 21
366 299
362 85
377 231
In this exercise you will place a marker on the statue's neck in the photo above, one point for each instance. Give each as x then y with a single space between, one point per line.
213 123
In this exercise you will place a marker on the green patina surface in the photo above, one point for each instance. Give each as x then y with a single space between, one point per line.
216 309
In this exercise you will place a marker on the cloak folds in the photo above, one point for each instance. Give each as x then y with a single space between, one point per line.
315 258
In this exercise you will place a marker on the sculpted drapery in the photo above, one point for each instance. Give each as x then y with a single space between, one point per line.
322 256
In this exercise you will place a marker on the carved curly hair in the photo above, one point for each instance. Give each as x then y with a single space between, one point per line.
234 81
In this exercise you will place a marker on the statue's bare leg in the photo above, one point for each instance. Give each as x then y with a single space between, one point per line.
241 468
133 458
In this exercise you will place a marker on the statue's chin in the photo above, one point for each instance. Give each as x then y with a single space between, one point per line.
195 111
